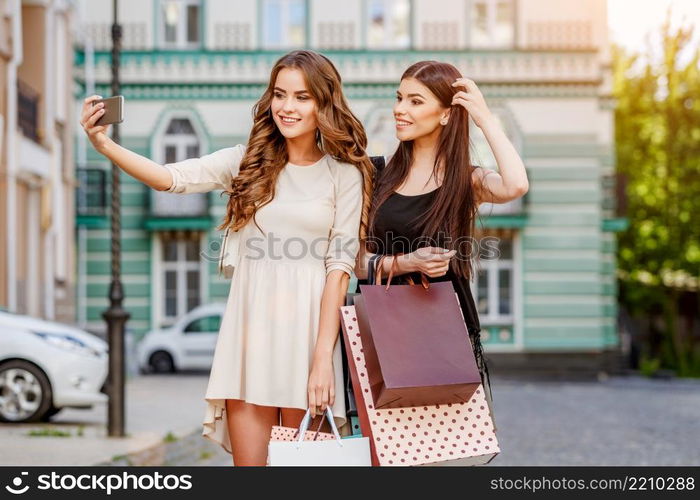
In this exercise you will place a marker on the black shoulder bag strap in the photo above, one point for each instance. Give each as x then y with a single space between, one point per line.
379 163
372 268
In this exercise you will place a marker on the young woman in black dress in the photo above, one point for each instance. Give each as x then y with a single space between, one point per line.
427 196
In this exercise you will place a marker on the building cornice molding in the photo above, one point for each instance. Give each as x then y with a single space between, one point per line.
494 66
252 92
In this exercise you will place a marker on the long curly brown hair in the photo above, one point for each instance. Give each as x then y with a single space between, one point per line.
449 222
340 134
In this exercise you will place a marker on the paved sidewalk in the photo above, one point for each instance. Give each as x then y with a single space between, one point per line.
161 411
617 421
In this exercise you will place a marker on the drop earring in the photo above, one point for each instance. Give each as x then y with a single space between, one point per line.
443 121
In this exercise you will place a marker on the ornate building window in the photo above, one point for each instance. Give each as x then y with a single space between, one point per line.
481 155
492 23
388 24
284 24
181 283
180 24
180 141
494 286
180 138
381 132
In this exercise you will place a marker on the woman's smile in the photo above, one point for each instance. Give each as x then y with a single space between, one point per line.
401 123
288 120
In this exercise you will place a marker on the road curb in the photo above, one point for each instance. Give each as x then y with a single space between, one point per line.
188 448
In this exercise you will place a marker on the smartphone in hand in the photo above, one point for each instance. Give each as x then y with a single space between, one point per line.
114 110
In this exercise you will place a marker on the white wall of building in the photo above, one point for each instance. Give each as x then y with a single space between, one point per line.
220 118
440 24
557 24
336 25
544 115
231 24
437 24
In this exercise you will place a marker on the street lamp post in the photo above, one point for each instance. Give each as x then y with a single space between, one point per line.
116 316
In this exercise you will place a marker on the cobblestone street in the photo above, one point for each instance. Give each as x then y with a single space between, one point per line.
619 421
622 421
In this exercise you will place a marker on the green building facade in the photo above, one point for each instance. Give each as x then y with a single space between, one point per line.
191 71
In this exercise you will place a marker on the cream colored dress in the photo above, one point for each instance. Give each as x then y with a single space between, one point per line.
268 331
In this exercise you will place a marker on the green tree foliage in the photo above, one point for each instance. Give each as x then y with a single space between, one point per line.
658 152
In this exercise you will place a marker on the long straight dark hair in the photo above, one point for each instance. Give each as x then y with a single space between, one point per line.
454 209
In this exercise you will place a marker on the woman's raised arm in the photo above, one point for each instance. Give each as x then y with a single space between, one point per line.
510 182
139 167
194 175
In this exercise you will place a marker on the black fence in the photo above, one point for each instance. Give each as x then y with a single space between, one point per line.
28 110
91 197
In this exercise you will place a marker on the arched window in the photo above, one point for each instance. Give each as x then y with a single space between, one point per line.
179 271
180 141
494 286
481 155
381 132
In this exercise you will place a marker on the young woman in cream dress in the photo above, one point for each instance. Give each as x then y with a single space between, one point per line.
299 196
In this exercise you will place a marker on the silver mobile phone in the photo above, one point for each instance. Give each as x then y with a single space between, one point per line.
114 110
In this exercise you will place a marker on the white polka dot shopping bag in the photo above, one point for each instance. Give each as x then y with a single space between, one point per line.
441 434
316 448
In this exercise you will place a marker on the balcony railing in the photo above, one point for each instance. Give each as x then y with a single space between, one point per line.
614 187
91 197
514 207
165 204
28 110
621 195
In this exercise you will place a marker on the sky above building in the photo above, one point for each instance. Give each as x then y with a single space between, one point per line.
630 21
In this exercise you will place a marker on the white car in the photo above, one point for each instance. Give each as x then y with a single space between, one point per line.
187 345
46 366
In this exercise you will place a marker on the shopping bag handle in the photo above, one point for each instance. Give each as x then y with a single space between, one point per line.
222 251
306 421
425 282
378 270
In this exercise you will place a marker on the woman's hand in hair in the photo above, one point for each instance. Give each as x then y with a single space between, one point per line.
431 261
472 100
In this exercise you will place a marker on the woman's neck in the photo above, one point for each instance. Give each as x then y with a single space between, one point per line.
303 150
425 151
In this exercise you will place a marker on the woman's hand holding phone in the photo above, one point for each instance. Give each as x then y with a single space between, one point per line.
92 112
139 167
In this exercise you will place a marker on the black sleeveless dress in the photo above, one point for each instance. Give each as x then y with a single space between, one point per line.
395 232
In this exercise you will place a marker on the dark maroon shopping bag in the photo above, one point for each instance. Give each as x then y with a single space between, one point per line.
416 345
